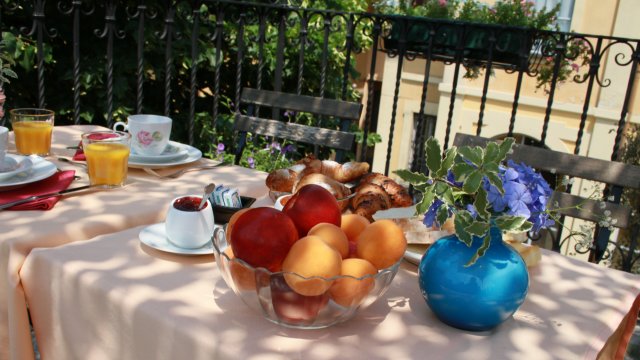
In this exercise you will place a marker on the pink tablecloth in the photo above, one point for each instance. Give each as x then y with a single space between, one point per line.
114 298
82 216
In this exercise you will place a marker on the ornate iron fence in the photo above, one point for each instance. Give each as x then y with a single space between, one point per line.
99 60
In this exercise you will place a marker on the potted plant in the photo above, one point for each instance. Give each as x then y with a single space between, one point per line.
465 29
6 62
486 280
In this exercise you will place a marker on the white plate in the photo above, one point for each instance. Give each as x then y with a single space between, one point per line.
40 169
193 154
172 152
15 165
154 236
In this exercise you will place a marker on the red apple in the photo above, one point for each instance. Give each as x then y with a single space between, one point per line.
311 205
293 307
262 237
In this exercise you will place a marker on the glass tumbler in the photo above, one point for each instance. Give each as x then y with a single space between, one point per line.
107 154
32 129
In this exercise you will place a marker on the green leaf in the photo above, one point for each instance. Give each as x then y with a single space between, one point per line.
486 241
473 154
411 177
462 220
510 223
478 228
481 203
492 151
472 182
462 170
445 193
433 155
495 180
505 146
447 163
427 200
443 214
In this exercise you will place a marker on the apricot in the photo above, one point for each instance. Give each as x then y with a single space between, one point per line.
348 291
244 277
382 243
312 261
333 236
292 307
353 224
262 237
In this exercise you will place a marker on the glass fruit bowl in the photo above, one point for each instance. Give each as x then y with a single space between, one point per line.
269 293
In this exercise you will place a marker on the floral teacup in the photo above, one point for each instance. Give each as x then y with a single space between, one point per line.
149 133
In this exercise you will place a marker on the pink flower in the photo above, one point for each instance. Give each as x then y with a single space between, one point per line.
442 3
145 138
575 67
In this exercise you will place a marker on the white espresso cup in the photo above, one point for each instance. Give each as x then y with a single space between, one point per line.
149 133
185 225
4 143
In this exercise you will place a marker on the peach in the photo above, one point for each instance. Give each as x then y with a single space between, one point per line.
311 205
232 222
262 237
347 291
382 243
312 261
333 236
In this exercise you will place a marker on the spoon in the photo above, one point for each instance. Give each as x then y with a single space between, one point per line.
207 191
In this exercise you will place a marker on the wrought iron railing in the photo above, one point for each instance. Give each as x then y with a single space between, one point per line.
190 59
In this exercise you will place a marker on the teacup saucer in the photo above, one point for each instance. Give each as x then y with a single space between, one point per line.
155 237
14 165
173 151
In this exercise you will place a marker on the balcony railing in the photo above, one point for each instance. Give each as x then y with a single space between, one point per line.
96 61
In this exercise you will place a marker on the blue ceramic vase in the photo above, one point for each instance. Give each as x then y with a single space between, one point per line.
478 297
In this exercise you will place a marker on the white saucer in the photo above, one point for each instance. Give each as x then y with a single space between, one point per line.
40 169
193 154
13 166
154 236
172 152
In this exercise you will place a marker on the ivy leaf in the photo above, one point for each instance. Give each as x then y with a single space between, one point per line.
411 177
443 214
472 182
473 154
511 223
492 151
447 163
481 203
478 228
433 155
462 220
462 170
505 146
486 241
445 193
427 200
495 180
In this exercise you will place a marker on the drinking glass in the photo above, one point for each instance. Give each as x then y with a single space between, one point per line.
107 154
32 129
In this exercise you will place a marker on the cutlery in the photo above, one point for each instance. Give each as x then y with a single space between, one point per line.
207 191
72 161
43 196
180 172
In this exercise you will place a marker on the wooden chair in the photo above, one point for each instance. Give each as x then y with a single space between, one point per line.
335 139
615 174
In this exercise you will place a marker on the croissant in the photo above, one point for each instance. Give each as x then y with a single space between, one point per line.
281 180
398 195
369 199
338 189
346 172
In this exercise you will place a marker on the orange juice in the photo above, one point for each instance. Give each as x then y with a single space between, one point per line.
107 163
33 137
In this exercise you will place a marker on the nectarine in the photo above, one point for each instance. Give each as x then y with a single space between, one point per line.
382 243
309 263
333 236
311 205
348 291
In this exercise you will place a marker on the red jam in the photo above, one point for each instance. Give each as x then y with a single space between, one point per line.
188 203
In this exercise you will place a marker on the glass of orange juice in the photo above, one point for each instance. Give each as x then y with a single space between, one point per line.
32 129
107 154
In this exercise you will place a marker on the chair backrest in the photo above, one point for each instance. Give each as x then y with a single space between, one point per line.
615 174
335 139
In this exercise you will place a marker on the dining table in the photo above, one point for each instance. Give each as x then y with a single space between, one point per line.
82 215
81 277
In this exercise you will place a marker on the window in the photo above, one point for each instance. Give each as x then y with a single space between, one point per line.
564 15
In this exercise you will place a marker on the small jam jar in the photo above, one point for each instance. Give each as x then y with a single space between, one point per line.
186 226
